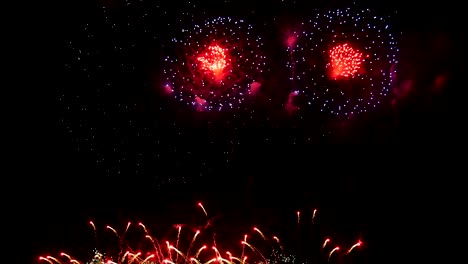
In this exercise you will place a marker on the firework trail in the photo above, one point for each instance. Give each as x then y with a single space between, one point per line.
203 208
154 254
325 243
313 216
192 242
260 232
331 252
355 245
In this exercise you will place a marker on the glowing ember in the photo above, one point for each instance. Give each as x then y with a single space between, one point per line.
200 248
344 61
213 60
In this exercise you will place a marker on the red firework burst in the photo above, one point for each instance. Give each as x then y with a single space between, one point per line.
344 61
214 62
214 65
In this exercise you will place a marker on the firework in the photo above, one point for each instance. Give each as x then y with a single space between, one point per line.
325 242
358 244
201 248
331 252
214 65
343 61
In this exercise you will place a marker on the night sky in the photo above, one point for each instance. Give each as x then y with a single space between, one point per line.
121 149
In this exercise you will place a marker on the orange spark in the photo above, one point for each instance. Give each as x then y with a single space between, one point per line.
144 227
126 229
195 260
344 61
355 245
113 230
331 252
54 259
134 257
203 208
214 61
193 241
92 224
313 215
45 259
177 251
199 251
147 258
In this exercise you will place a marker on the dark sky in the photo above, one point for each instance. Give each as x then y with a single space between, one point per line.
367 177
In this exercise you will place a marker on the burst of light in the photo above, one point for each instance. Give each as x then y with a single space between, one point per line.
333 251
260 232
214 64
158 255
46 259
325 242
344 61
214 61
203 208
144 227
113 230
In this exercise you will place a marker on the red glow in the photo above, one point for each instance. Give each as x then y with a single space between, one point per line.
344 61
291 40
214 61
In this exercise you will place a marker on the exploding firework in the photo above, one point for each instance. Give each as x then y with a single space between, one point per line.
344 61
200 247
213 65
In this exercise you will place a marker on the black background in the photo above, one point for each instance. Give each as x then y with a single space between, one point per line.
382 193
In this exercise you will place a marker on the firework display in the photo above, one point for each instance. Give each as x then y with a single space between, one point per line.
201 247
343 60
213 65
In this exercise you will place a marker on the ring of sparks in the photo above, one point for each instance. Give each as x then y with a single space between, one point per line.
344 61
214 64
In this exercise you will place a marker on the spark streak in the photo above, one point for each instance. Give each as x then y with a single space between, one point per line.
331 252
325 243
193 241
355 245
45 259
255 250
313 216
203 208
114 231
260 232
